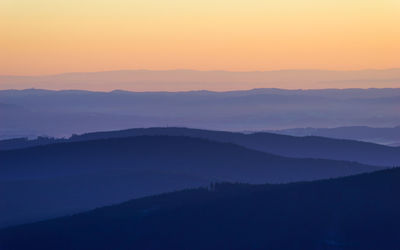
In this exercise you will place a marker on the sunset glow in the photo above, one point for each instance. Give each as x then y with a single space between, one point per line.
56 36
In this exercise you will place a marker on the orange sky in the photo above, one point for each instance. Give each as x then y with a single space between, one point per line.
55 36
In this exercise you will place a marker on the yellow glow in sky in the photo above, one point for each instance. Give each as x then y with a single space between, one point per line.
55 36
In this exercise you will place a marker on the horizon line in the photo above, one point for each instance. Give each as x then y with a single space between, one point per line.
187 91
198 70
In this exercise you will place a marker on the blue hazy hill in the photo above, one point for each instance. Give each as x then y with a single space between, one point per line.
358 212
290 146
58 179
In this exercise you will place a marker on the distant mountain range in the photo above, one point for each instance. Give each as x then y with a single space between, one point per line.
387 136
289 146
184 80
359 212
63 178
34 112
71 156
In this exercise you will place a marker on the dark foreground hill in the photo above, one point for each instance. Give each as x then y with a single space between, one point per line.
358 212
291 146
64 178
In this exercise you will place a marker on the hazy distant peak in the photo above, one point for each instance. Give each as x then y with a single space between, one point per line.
184 80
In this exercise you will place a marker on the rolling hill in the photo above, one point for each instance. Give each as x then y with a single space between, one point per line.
385 136
290 146
76 176
358 212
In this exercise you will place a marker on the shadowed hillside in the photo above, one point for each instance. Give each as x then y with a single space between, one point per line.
359 212
76 176
300 147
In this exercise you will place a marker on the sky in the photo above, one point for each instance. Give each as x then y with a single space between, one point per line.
56 36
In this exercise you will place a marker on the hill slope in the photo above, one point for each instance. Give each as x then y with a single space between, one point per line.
386 136
290 146
358 212
76 176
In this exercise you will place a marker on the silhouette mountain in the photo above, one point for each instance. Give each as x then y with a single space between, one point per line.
358 212
58 179
290 146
